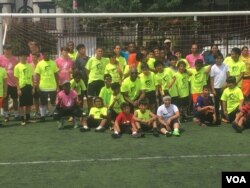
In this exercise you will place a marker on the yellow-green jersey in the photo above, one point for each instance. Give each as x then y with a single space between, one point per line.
113 71
47 71
143 116
122 62
163 78
3 76
97 113
73 55
148 82
151 63
232 97
173 90
96 68
24 73
119 100
182 84
198 79
105 94
131 88
79 87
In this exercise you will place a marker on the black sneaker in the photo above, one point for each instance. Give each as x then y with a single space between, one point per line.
101 130
42 119
168 134
141 132
237 128
115 135
155 132
137 135
82 129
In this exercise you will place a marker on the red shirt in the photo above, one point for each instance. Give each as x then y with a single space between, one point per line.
125 119
245 109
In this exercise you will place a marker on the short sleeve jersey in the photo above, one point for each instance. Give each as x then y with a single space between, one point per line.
167 112
65 67
148 82
219 73
232 97
131 88
143 116
105 94
198 79
163 78
47 70
98 112
182 84
124 119
78 86
96 68
3 76
64 100
203 101
235 68
112 70
119 101
24 73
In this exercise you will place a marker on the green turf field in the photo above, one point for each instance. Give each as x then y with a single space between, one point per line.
39 155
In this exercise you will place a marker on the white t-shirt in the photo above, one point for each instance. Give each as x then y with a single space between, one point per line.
219 73
167 112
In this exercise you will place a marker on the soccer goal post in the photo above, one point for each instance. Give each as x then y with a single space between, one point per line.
148 30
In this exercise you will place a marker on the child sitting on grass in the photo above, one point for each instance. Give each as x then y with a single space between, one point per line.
145 120
243 117
97 117
204 108
125 123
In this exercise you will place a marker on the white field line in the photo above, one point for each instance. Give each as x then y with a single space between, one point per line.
125 159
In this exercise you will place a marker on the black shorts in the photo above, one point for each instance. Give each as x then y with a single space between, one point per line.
26 99
125 128
12 92
112 114
36 94
95 87
66 112
171 124
151 96
184 101
44 95
93 123
145 127
204 117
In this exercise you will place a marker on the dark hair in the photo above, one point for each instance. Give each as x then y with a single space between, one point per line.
139 56
173 58
206 87
144 101
79 46
36 54
124 105
219 55
158 63
244 47
115 86
181 63
76 74
96 98
64 49
236 50
214 45
144 66
199 62
231 80
107 76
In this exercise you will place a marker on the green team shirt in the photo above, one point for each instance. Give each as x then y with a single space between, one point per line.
112 70
163 78
182 84
24 73
151 63
3 76
105 94
122 62
148 82
232 97
96 68
117 105
143 116
173 90
47 70
78 86
131 88
235 68
198 79
73 56
98 112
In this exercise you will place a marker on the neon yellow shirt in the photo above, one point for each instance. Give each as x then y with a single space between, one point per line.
182 84
163 78
78 86
47 70
173 90
96 68
246 60
148 82
117 105
131 88
143 116
73 55
151 63
112 70
198 79
3 76
232 97
122 62
24 73
105 94
98 112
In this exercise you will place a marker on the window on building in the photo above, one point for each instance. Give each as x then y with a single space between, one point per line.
49 23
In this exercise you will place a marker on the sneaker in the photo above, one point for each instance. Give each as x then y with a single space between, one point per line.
23 123
101 130
70 119
6 119
168 134
42 119
137 135
113 135
176 133
155 132
141 132
237 128
84 129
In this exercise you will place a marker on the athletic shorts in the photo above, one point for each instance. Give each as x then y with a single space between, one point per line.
94 88
44 95
171 123
184 101
12 92
125 128
204 117
26 99
36 94
151 96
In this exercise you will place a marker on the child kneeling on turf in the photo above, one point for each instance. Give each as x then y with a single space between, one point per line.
97 117
145 120
243 117
204 108
125 123
67 105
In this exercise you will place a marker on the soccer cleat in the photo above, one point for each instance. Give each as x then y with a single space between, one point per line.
141 132
136 135
155 132
84 129
115 135
168 134
6 119
101 130
23 123
176 133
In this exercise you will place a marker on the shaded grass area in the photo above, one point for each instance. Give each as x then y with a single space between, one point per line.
43 142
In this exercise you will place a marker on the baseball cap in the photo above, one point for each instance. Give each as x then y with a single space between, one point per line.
167 41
